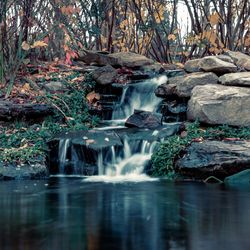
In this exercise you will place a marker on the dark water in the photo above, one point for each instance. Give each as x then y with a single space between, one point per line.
71 214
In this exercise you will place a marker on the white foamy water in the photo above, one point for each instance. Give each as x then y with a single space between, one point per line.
138 96
120 179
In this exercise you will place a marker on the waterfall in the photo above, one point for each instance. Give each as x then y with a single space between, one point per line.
138 96
131 162
64 145
132 154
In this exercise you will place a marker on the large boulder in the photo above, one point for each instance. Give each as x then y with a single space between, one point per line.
144 119
96 57
225 58
105 75
216 65
192 66
130 60
218 104
236 79
120 59
214 158
182 85
240 59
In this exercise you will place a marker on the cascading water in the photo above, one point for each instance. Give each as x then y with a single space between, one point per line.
135 156
131 157
138 96
64 145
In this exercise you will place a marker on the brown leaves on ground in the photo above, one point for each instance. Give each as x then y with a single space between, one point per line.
24 91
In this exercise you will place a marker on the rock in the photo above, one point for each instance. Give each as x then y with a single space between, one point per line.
182 85
216 65
156 68
174 110
165 90
185 84
192 66
28 111
90 57
26 172
240 59
54 86
96 140
225 58
138 134
242 177
130 60
214 158
218 104
105 75
120 59
236 79
144 119
176 72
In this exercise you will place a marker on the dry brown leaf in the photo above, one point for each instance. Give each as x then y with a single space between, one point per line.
39 44
90 141
25 46
93 97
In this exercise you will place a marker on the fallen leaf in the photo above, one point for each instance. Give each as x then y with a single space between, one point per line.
90 141
39 44
231 139
25 46
198 140
93 97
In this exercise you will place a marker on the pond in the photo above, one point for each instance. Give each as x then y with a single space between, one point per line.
78 213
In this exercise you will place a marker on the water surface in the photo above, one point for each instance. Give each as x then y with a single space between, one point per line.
69 213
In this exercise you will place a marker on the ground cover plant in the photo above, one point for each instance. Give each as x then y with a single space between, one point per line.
168 152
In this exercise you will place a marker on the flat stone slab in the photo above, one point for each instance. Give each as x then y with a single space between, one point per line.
131 60
236 79
218 104
214 158
182 86
216 65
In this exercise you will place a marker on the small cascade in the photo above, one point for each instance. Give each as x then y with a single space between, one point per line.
64 145
138 96
115 151
133 159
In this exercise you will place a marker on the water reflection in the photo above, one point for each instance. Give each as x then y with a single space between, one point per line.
71 214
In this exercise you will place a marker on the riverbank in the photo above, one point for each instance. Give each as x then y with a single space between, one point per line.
73 99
